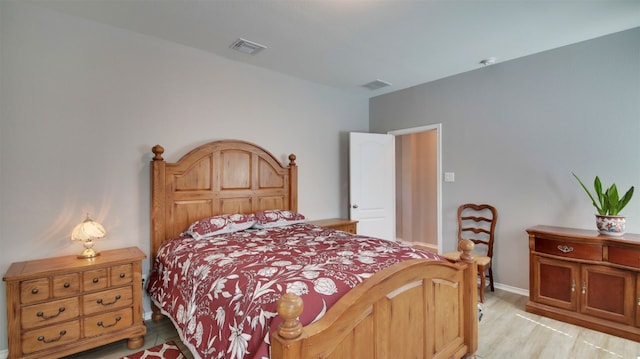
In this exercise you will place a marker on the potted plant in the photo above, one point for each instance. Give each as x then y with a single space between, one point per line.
608 205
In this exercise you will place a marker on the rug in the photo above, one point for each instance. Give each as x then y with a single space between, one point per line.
168 350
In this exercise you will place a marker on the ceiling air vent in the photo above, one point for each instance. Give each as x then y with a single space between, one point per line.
374 85
246 46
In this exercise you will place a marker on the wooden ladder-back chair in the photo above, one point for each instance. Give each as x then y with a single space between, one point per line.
477 222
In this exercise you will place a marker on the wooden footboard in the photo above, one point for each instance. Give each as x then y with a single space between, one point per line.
416 309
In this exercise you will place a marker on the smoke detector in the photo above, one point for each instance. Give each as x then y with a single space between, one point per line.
246 46
376 84
488 61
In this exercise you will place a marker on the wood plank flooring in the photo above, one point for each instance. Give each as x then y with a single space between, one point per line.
506 331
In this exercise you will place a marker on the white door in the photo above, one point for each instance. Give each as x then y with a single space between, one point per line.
372 183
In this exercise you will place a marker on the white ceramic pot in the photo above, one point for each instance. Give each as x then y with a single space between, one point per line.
611 225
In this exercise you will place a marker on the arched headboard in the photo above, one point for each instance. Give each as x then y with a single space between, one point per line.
227 176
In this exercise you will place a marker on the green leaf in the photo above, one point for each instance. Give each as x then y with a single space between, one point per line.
609 202
612 194
625 199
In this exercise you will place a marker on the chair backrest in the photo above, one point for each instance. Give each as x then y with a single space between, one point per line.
477 222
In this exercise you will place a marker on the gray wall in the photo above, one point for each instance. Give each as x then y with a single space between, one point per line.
513 133
82 104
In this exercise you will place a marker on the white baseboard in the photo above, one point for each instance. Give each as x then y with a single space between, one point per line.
4 354
508 288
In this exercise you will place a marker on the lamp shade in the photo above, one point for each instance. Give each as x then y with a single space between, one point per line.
87 231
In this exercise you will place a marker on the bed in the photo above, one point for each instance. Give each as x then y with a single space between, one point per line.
378 299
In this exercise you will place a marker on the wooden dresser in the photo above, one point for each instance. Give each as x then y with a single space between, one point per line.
64 305
584 278
340 224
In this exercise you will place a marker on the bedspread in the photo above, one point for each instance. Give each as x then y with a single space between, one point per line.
221 292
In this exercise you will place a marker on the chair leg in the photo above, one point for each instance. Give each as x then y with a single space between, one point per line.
491 279
481 270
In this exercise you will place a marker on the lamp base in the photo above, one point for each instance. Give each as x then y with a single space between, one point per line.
88 253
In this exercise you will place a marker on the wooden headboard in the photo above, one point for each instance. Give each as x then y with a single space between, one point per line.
228 176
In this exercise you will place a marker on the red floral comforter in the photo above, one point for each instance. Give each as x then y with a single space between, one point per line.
221 293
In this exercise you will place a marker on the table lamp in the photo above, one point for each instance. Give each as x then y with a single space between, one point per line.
87 231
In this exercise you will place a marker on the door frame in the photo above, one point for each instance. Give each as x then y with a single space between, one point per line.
438 128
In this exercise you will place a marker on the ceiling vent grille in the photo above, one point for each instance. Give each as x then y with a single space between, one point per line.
247 47
374 85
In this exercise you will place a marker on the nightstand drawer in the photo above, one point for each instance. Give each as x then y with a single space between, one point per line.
49 337
51 312
65 285
569 249
339 224
32 291
107 300
121 275
107 322
94 279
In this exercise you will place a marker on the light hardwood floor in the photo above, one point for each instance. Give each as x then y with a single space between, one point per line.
505 331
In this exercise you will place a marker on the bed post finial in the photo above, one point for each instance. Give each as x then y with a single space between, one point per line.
466 246
289 308
292 160
158 151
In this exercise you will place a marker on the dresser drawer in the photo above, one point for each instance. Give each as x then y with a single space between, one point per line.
50 312
32 291
108 322
107 300
65 285
625 256
94 279
569 249
121 275
49 337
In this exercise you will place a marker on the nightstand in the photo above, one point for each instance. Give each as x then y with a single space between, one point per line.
337 223
64 305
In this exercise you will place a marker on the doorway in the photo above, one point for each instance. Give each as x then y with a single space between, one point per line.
418 172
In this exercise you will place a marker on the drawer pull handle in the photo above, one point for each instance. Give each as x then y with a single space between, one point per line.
565 249
95 280
46 317
67 285
122 275
573 288
62 334
584 287
34 291
101 324
99 301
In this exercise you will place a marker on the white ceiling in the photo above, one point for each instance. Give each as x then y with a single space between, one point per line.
348 43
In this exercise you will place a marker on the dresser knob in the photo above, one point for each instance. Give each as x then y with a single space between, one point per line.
34 291
96 280
62 334
122 275
67 285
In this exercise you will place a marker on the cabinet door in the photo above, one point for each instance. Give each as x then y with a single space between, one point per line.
555 283
607 293
637 300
